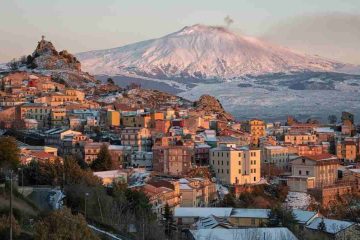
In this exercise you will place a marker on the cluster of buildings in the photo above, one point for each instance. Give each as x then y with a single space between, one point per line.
240 223
162 150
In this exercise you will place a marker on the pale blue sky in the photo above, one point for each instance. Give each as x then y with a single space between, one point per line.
81 25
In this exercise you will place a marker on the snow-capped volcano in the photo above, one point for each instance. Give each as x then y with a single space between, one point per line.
203 52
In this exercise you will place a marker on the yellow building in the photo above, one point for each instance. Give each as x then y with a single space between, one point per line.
256 128
236 165
113 118
58 117
197 192
298 139
315 171
346 150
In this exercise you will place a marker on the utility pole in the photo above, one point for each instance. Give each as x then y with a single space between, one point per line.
86 194
11 207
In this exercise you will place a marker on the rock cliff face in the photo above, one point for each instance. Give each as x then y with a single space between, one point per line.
46 57
62 66
210 105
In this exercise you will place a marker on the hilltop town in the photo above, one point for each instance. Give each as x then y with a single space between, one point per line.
143 164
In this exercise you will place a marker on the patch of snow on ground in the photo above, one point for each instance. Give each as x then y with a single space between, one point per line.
222 190
297 200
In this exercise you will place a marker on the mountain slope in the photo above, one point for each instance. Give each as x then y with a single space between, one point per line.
201 52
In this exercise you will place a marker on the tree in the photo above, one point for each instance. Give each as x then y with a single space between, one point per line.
5 227
110 81
168 219
332 119
321 226
228 201
13 65
62 224
9 152
103 161
280 216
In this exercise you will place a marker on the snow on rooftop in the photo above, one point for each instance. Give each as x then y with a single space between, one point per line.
303 216
332 226
275 147
109 174
201 212
243 234
184 186
324 130
250 213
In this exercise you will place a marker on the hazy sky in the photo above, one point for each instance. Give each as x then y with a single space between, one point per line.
330 28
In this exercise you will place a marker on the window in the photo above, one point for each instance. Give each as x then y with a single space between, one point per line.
227 154
239 171
222 170
239 163
218 170
299 172
307 173
254 179
254 170
227 171
239 154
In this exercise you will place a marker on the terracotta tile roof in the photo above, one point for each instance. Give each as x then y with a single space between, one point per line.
42 155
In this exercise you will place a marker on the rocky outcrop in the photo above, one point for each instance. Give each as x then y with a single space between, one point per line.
147 98
47 57
210 105
62 66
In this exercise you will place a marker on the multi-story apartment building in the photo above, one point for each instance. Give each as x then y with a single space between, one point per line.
141 159
58 117
234 165
347 150
197 192
128 119
310 149
113 118
277 156
201 155
300 138
313 172
39 112
257 130
58 98
161 193
138 138
92 150
172 160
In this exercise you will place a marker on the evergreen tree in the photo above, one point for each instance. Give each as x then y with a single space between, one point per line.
62 224
321 226
168 219
103 161
279 216
9 152
228 201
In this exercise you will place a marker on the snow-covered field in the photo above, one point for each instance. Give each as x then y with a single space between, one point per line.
275 103
297 200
